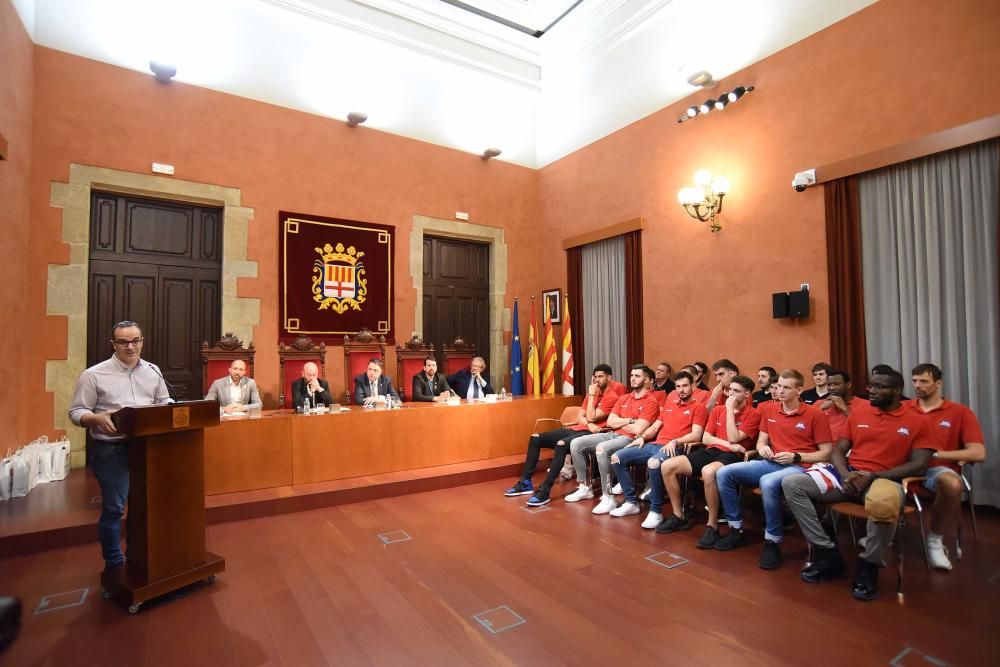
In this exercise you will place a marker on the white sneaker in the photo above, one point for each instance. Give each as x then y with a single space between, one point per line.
652 520
606 505
568 471
617 489
626 509
584 492
645 493
937 553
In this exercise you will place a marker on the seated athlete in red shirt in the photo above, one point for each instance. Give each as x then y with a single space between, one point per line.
886 442
724 372
959 439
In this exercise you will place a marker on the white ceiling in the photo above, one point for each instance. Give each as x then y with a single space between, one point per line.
438 72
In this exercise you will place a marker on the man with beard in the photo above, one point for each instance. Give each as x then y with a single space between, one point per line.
766 376
839 401
886 443
959 440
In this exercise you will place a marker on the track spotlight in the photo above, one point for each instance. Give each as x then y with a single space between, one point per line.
738 92
721 103
706 106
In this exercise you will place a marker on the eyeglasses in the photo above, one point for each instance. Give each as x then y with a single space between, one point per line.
135 342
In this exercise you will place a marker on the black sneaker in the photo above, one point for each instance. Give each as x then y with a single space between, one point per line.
827 563
522 488
865 585
770 559
709 539
540 498
730 540
673 523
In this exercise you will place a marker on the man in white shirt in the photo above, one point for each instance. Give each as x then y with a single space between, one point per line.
237 392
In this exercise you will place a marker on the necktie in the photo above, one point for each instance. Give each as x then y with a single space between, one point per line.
374 390
475 388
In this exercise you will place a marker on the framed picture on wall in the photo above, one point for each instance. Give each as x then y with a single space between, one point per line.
551 301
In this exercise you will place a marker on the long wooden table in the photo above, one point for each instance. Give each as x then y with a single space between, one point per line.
283 448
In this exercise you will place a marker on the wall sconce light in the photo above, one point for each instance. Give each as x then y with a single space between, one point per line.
355 118
490 153
704 201
723 101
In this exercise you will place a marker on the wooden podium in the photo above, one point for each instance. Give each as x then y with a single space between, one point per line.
166 502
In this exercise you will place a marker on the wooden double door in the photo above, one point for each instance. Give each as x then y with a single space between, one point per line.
158 263
456 294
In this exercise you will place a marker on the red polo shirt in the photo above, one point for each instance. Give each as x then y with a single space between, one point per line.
630 407
800 431
952 426
606 401
679 419
882 440
747 421
838 420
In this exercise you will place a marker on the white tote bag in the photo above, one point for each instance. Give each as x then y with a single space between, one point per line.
44 453
21 483
30 454
6 477
60 459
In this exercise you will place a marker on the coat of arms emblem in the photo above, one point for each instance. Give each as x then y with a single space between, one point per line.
339 278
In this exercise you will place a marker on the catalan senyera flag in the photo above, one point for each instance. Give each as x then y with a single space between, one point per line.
531 388
567 352
548 358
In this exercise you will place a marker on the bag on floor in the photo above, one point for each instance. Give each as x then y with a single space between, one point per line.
60 459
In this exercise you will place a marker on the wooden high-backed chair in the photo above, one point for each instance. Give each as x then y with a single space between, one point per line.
216 359
457 355
291 359
358 351
410 361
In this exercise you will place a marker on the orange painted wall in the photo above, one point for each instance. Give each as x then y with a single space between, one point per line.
895 71
91 113
16 54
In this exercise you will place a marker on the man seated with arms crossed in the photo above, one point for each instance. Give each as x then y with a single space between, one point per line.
119 382
958 438
237 392
820 373
681 421
731 428
724 371
311 388
597 405
886 442
766 376
430 386
372 387
472 382
839 402
793 436
632 414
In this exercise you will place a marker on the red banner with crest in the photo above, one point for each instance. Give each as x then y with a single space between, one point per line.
335 277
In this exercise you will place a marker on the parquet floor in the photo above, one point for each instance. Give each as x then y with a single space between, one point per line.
321 588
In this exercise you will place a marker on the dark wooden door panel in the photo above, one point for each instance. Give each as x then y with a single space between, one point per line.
158 263
456 293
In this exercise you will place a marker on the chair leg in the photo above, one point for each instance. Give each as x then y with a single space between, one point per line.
923 536
898 542
972 507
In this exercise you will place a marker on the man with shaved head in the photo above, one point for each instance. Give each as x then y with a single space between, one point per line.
311 388
236 392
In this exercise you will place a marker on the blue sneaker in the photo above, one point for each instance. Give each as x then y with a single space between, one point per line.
540 498
522 488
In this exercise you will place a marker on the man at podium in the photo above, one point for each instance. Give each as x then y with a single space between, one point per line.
122 381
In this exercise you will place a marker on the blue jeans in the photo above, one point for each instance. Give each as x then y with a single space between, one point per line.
640 455
765 474
109 461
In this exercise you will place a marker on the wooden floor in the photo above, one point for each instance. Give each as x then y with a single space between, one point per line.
320 587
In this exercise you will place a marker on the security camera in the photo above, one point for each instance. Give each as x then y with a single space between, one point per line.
804 179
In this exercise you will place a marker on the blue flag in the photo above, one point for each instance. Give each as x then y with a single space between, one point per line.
516 374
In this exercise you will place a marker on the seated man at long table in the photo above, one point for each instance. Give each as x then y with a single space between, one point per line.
311 388
373 386
472 382
235 392
430 386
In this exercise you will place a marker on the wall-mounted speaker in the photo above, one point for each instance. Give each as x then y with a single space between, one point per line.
798 304
779 305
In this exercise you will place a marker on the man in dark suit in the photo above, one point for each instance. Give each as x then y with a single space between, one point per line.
472 382
430 386
310 388
373 386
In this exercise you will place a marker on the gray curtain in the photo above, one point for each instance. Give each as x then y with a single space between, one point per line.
604 305
929 259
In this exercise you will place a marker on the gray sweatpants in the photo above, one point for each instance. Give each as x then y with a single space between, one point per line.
609 442
802 494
